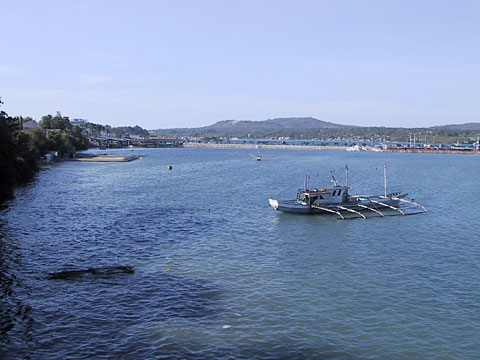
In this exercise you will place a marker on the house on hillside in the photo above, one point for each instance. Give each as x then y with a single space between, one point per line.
78 122
30 124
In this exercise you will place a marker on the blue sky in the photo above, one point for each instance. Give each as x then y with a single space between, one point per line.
164 64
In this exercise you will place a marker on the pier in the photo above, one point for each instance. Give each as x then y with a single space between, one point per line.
105 158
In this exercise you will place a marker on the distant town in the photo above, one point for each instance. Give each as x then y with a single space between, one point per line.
422 140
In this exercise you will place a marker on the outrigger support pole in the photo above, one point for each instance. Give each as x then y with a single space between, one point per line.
329 210
372 209
352 211
410 202
389 206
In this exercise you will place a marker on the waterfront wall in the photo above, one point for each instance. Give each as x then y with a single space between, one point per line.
263 146
328 147
433 151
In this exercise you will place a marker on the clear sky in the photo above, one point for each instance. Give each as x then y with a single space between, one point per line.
175 63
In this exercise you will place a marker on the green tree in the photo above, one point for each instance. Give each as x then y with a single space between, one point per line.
40 139
8 128
27 155
55 122
79 141
60 141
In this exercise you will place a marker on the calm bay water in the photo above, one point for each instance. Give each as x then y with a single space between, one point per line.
220 274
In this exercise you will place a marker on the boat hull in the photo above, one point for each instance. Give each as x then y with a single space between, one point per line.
291 206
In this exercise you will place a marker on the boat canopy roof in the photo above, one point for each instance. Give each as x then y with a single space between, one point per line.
324 189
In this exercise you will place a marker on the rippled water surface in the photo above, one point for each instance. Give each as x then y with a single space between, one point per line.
220 274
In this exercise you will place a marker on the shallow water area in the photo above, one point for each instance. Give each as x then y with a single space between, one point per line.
220 274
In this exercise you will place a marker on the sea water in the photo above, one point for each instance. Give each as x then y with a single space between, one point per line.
220 274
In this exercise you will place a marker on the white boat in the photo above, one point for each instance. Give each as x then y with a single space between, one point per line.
355 148
336 200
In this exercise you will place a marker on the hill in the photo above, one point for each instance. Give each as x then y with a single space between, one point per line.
242 128
466 126
311 128
274 124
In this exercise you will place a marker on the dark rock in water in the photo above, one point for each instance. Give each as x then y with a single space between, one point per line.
107 270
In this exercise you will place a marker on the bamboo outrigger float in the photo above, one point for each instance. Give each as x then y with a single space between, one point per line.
336 200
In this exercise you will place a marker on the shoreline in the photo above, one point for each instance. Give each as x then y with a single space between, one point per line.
117 158
433 151
263 146
330 147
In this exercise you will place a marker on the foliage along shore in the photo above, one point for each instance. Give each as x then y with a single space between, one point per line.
22 146
20 150
23 142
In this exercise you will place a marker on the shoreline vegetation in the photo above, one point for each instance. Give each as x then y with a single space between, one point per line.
24 145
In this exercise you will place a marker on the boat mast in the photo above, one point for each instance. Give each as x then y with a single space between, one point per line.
346 169
385 178
305 183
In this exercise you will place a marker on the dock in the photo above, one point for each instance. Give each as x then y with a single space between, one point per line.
105 158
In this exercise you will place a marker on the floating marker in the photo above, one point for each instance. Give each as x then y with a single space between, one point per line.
170 167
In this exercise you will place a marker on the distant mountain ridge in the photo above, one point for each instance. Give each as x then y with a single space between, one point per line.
466 126
298 123
309 127
248 126
273 124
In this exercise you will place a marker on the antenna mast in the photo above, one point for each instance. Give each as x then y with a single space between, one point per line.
385 178
346 169
333 179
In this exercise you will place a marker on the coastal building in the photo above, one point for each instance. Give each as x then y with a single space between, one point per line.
104 133
87 131
30 124
78 122
162 142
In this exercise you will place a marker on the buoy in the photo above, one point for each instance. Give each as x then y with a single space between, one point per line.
170 167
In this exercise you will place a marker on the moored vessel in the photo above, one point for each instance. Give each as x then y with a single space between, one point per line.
337 200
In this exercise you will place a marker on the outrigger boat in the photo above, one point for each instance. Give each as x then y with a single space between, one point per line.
336 200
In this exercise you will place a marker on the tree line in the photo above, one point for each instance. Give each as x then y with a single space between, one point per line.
20 150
